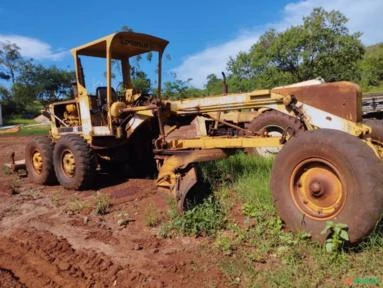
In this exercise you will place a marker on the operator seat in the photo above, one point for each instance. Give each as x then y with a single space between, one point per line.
101 96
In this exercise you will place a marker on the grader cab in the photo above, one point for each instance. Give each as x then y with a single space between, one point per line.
329 167
101 114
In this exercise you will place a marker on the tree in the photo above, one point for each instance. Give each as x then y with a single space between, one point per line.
31 85
10 61
213 85
179 89
176 89
37 82
141 82
320 47
372 67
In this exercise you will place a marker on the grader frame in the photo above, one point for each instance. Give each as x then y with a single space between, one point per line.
185 132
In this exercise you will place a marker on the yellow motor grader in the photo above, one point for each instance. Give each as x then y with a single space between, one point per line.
329 166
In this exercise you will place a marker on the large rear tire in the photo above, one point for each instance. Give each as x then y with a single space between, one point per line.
75 163
273 123
328 175
39 161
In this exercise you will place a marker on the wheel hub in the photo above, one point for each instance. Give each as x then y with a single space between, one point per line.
317 189
37 162
68 163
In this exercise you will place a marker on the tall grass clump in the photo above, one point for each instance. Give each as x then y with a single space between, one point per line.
202 220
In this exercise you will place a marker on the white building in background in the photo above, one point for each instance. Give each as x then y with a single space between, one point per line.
1 117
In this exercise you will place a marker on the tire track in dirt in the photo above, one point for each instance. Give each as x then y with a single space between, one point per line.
9 280
41 259
42 245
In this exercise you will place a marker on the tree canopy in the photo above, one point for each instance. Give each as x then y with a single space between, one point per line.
371 68
27 85
320 47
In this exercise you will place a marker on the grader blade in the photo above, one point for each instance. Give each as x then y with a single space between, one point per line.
184 186
17 166
178 176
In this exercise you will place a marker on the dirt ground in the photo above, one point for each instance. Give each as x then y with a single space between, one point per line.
42 244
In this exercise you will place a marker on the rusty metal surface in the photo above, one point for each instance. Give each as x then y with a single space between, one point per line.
168 177
184 132
343 99
121 45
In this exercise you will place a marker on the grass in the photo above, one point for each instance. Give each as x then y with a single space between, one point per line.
28 127
151 216
124 219
56 198
34 130
19 121
76 205
31 194
6 171
204 219
102 204
15 185
263 254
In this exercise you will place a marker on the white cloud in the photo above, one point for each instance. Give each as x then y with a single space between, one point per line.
33 48
212 60
363 17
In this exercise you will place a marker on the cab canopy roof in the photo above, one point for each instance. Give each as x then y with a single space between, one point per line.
122 45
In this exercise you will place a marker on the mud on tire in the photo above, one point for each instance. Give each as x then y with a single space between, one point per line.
326 175
39 161
74 162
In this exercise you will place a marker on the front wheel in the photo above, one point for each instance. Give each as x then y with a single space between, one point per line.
328 175
75 163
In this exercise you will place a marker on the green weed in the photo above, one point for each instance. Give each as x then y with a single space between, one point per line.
204 219
224 243
337 236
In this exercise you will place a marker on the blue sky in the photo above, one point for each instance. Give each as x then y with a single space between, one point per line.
202 34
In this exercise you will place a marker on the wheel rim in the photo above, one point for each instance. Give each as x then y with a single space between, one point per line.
273 131
68 163
317 189
270 131
37 162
